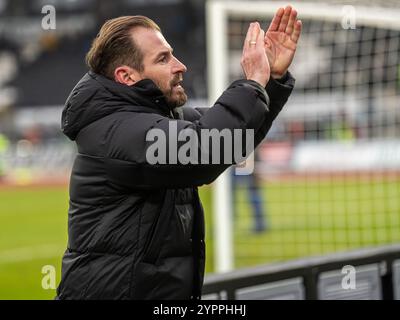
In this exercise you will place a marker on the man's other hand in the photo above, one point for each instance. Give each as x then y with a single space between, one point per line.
280 41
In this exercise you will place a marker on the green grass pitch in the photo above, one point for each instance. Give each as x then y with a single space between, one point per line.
306 218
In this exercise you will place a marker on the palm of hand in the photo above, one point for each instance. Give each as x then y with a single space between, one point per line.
280 49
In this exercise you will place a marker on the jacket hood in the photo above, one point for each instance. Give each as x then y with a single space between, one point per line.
95 97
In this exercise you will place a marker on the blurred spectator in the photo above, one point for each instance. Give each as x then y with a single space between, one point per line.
254 191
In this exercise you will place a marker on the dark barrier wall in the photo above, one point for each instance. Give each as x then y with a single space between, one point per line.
367 274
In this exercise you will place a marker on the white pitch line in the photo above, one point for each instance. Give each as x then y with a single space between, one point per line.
30 253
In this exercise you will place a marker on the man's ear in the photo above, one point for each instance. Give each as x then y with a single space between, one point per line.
126 75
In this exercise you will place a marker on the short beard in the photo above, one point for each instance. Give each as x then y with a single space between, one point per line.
173 102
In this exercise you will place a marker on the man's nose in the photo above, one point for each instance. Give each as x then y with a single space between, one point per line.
179 67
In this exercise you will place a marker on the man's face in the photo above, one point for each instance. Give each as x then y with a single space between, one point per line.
161 66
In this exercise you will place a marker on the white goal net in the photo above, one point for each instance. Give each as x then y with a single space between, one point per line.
328 175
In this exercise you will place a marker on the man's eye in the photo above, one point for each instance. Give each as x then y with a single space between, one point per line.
163 59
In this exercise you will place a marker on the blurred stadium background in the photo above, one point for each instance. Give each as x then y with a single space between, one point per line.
327 178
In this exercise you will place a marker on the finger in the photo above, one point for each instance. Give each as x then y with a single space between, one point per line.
292 19
260 39
276 20
255 37
285 19
248 34
297 31
248 37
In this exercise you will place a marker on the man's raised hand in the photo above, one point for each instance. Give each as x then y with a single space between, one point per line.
254 58
280 41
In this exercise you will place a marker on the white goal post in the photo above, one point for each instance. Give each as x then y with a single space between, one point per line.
217 15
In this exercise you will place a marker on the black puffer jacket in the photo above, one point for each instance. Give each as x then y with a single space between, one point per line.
136 231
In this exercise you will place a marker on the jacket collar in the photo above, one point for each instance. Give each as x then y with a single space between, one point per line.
143 93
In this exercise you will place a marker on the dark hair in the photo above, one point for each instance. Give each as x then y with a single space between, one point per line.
114 45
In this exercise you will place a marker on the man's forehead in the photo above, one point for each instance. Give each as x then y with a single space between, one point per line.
150 41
